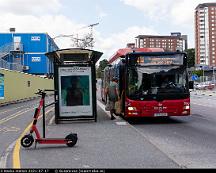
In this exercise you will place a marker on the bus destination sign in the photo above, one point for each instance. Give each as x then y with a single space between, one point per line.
160 60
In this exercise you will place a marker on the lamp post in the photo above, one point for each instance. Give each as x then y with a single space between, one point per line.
213 74
202 68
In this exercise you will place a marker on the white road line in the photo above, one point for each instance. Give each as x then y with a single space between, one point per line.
141 133
18 108
3 120
107 112
51 120
4 156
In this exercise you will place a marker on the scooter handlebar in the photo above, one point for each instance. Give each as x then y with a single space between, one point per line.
44 91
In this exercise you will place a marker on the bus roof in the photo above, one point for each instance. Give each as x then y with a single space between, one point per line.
124 51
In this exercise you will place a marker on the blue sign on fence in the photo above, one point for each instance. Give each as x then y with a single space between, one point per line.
1 86
194 77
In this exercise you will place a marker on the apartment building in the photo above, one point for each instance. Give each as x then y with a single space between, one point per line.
171 43
205 34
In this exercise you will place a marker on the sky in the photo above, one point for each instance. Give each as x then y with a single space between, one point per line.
120 21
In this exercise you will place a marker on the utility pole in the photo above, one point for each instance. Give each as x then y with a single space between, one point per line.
90 42
87 41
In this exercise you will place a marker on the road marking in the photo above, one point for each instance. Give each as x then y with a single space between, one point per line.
155 145
3 120
18 108
9 129
51 120
121 123
143 135
16 151
102 106
86 166
3 159
27 106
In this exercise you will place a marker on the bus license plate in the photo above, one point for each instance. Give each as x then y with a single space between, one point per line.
160 114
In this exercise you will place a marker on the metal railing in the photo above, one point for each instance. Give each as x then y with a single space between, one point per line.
6 50
10 66
4 64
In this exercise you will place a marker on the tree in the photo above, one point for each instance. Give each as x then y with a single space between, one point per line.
191 57
102 65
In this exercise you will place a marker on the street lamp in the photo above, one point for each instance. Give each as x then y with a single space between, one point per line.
213 74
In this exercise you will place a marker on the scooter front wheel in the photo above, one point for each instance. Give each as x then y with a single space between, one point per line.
71 139
27 141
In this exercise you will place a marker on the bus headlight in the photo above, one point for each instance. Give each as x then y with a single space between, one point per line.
132 108
186 106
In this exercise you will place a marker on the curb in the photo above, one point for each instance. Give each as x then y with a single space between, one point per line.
18 101
21 100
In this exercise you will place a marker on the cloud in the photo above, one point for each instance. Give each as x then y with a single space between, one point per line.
101 12
54 25
152 8
109 45
40 16
179 12
27 7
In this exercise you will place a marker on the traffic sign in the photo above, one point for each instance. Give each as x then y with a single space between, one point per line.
194 77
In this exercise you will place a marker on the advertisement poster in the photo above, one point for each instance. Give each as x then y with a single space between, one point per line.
75 91
1 86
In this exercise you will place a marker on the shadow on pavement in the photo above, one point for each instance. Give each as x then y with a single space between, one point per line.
153 120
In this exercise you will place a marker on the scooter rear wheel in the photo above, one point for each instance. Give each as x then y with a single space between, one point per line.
27 141
71 139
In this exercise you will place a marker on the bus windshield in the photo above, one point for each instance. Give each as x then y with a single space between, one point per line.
157 82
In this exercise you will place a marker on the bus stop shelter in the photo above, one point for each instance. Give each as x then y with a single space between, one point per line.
75 83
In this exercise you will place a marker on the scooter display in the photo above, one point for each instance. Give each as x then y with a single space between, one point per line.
27 140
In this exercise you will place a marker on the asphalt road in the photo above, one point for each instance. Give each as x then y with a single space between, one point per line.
14 118
177 142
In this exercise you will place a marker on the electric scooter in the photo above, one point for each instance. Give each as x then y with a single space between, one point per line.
27 140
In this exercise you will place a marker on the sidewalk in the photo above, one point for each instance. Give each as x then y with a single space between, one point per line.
102 144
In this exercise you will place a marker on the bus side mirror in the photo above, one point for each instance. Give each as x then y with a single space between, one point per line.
191 84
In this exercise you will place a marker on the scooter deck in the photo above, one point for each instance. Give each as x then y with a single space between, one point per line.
51 141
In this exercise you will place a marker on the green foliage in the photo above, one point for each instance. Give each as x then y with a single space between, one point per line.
102 65
198 72
191 57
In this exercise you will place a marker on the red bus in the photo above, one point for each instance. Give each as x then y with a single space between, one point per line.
152 83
